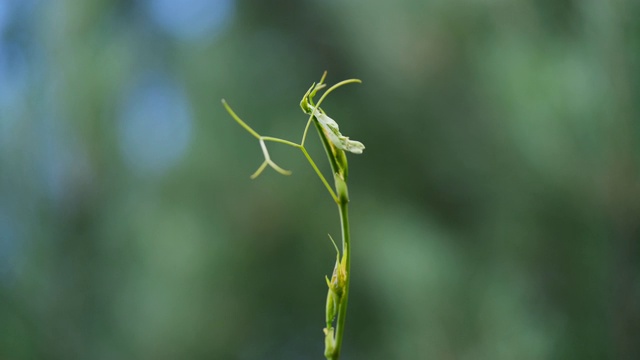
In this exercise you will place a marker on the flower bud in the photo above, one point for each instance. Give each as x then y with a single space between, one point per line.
329 342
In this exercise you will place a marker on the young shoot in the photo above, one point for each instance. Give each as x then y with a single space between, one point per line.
335 145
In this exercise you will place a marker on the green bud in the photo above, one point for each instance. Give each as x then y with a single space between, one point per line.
331 309
307 100
341 189
329 342
304 103
341 159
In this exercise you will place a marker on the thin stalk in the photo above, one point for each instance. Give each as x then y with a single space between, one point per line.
335 86
306 129
281 141
315 168
239 121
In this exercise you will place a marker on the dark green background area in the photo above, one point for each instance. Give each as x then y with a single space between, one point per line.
495 211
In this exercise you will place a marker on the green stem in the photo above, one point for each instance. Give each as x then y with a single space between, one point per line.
346 257
278 140
342 201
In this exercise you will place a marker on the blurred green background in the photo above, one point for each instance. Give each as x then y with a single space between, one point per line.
495 212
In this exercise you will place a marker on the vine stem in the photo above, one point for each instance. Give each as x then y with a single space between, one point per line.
346 254
342 200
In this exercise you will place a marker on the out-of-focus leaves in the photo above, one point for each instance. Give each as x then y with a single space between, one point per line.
495 212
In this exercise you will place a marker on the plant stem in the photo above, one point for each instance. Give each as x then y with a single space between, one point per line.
342 201
346 255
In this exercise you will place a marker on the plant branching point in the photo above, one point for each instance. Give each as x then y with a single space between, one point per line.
335 145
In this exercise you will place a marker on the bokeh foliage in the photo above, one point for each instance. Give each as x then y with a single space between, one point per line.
495 211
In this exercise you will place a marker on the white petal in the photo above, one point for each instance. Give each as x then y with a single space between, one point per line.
355 147
333 131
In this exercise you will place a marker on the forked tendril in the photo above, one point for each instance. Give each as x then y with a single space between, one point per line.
313 108
267 159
